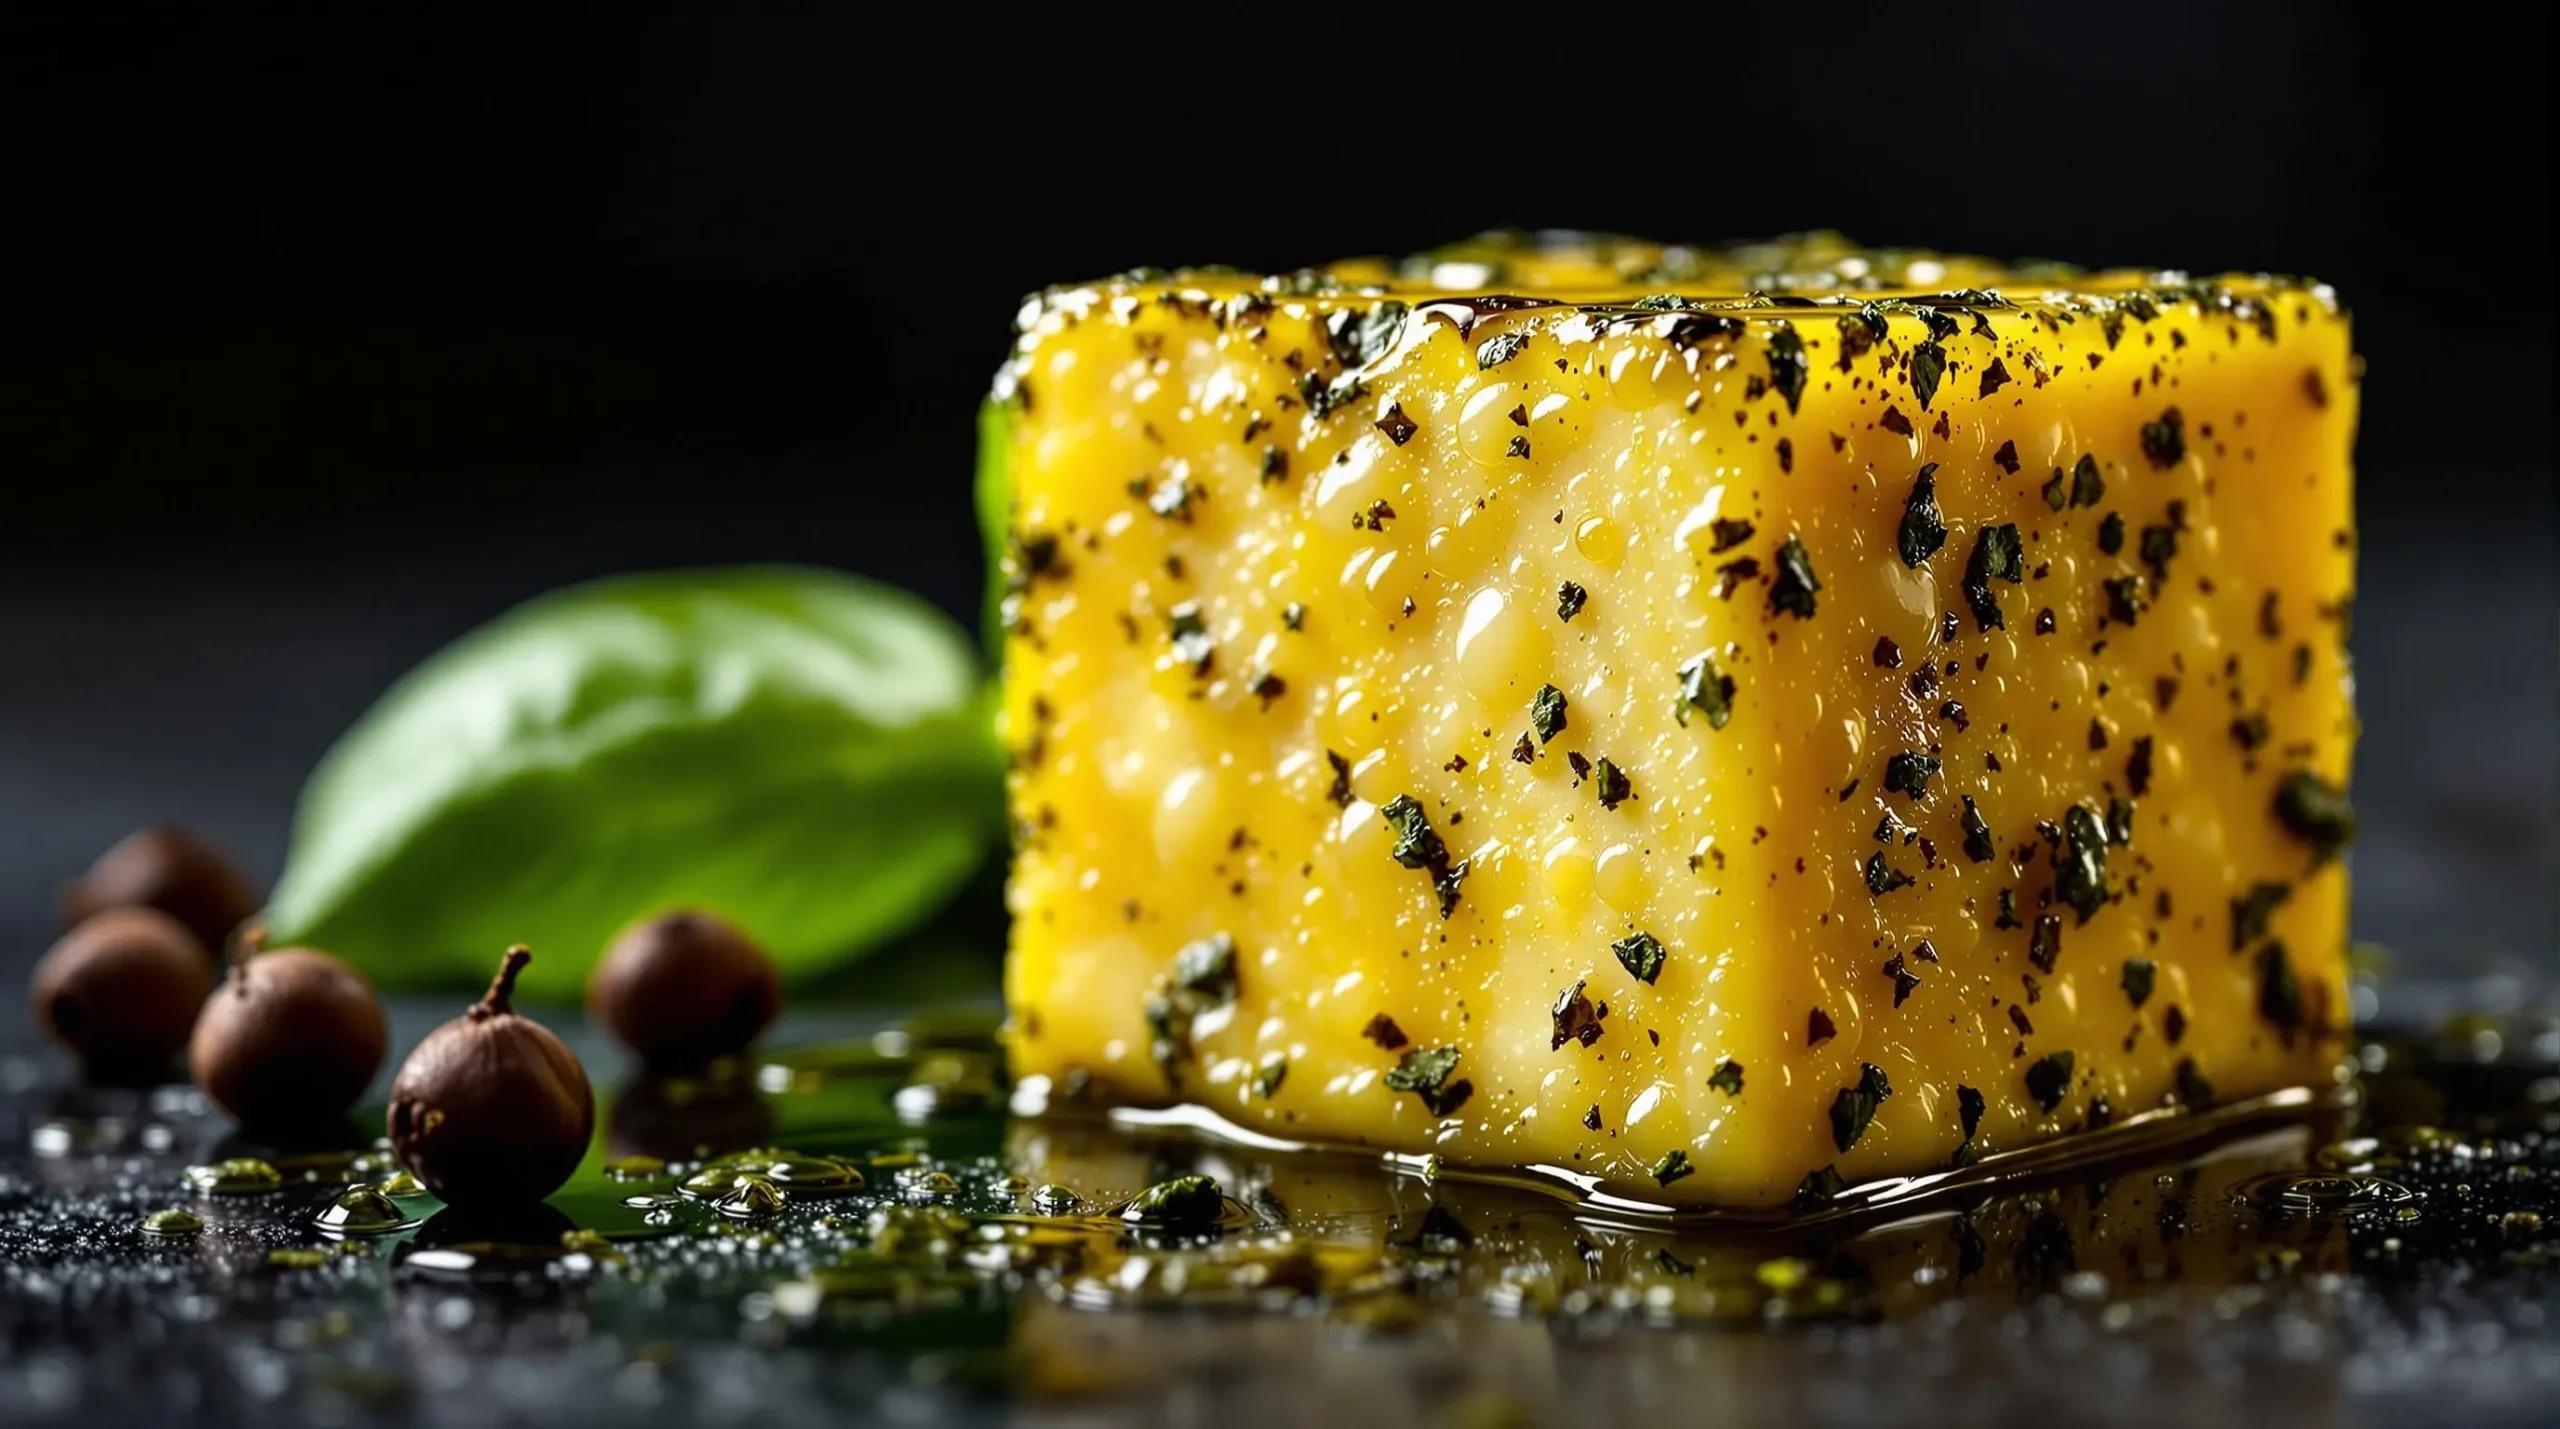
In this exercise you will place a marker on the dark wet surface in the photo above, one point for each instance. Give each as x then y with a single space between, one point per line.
920 1255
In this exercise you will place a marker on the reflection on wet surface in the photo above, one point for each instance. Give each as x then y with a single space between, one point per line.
865 1230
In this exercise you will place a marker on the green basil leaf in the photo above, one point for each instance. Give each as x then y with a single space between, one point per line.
808 754
994 492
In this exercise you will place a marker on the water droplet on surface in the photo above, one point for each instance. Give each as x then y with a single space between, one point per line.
173 1224
2292 1193
795 1172
239 1176
752 1197
362 1210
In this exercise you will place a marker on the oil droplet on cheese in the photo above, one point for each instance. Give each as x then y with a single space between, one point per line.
1553 431
1637 373
1568 871
1490 652
1347 488
1389 584
1618 878
1600 541
1186 814
1485 427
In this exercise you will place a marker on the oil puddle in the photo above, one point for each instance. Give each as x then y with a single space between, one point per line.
886 1197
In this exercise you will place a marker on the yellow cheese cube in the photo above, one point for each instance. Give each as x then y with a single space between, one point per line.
1721 724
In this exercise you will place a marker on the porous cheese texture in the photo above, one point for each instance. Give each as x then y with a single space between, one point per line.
1726 724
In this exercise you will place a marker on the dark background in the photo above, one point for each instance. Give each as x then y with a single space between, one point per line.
321 343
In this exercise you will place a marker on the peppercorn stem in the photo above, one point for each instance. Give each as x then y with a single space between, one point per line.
247 941
503 986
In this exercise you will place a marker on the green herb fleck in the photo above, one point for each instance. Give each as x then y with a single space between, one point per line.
1268 1078
2139 975
1499 349
2088 487
2044 944
1611 782
1856 1106
1928 365
1707 689
1190 632
1171 498
1787 364
1977 834
1883 878
1575 1018
1183 1203
1360 338
2164 440
1673 1166
1546 712
2120 821
1208 967
2251 912
1340 793
2083 881
1448 884
2125 600
2049 1079
1924 526
1969 1107
1792 590
1641 955
2159 544
2193 1089
1569 600
1416 845
2111 533
1820 1188
1424 1071
2279 991
1997 555
2317 812
1909 774
1294 616
2057 492
1727 1078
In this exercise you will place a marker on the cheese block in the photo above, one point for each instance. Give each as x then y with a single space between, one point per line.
1723 724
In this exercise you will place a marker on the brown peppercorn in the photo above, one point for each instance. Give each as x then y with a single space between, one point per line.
683 989
121 992
290 1040
492 1108
167 868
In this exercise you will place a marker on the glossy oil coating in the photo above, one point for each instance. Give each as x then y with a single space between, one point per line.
1727 723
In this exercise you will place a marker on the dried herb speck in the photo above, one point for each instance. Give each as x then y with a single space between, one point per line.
2317 812
2139 976
1793 588
1546 712
1706 689
1924 526
1641 955
1787 364
1855 1107
2049 1079
1417 846
1997 555
2164 440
